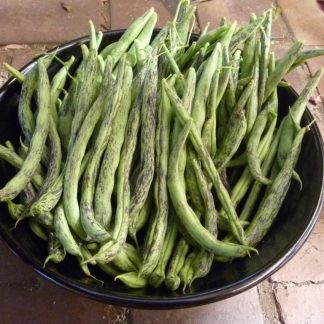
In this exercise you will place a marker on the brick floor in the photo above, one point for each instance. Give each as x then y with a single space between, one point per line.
242 309
301 304
212 11
38 21
305 20
121 16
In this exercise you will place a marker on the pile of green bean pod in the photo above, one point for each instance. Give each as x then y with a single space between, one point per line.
157 156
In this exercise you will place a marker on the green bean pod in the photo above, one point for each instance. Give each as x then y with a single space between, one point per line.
109 250
235 132
207 163
281 69
294 118
86 94
147 140
143 39
64 234
271 204
172 280
76 154
186 215
116 50
37 144
15 160
252 106
248 59
157 277
116 106
132 280
210 126
37 229
265 38
56 252
266 166
109 164
252 147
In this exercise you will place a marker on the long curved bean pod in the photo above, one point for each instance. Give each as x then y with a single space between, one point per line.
109 165
252 147
294 118
37 144
122 86
120 47
148 122
64 234
186 215
271 204
15 160
161 191
74 160
208 164
281 69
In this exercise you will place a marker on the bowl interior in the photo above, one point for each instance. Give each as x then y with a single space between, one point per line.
291 228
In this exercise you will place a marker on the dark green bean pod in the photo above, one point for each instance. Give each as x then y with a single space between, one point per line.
77 152
266 166
172 280
235 132
252 106
37 229
161 190
118 104
109 250
271 204
109 164
248 56
243 34
265 38
252 147
147 140
56 252
157 277
281 69
86 94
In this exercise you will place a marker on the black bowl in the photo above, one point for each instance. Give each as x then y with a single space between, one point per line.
293 225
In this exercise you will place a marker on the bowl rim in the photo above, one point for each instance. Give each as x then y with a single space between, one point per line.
183 301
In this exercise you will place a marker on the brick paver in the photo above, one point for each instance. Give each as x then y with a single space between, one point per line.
305 20
301 304
122 17
242 309
212 11
38 21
